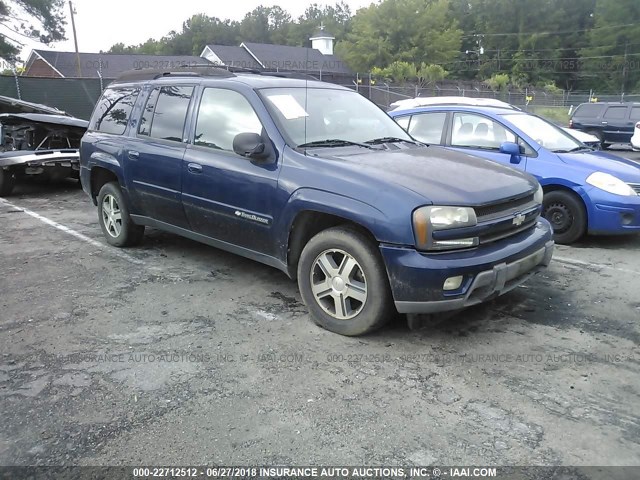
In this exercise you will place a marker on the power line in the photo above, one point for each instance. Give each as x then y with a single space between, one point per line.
537 59
556 49
507 34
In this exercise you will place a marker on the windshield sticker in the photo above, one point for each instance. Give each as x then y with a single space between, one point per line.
288 106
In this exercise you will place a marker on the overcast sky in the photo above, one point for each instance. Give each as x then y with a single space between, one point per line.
101 24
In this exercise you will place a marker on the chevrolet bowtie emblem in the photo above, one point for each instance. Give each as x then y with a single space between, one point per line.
519 219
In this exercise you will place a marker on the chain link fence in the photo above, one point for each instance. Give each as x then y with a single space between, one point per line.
77 96
556 106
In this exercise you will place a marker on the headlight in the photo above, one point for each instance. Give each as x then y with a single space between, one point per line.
610 184
426 220
537 197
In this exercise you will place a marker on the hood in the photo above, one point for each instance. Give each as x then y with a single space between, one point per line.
14 105
622 168
47 120
444 177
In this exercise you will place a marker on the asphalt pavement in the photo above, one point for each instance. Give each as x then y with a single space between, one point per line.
178 353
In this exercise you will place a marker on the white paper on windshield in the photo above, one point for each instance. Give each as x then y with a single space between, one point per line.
288 106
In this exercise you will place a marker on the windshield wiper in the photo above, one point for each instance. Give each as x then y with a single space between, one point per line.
575 149
334 142
378 141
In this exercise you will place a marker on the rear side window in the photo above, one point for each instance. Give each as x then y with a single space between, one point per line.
165 113
113 110
635 114
616 112
147 113
588 110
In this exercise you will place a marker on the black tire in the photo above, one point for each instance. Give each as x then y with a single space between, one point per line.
369 271
128 233
567 215
43 178
7 182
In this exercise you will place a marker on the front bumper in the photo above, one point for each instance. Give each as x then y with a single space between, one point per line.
417 279
612 214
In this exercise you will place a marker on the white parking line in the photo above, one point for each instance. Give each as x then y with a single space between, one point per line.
78 235
580 263
131 259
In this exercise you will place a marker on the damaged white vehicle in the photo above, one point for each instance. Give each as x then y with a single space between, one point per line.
38 144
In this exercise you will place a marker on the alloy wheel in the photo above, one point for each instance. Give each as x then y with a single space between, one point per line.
338 284
111 215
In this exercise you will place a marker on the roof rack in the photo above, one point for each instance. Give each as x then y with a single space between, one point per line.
203 70
295 75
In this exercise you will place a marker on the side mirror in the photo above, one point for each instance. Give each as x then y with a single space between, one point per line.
250 145
513 149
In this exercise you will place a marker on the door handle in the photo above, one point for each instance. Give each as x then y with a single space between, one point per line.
194 168
605 123
133 155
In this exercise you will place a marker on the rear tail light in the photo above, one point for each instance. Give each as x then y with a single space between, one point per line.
571 124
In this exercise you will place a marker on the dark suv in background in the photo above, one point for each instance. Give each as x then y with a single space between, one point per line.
317 181
610 122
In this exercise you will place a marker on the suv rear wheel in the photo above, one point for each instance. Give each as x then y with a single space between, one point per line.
343 282
113 215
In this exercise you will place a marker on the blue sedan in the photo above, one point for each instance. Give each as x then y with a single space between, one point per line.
585 191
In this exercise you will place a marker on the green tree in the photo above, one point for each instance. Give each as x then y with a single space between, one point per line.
41 20
265 25
336 20
498 82
413 31
430 74
613 53
398 71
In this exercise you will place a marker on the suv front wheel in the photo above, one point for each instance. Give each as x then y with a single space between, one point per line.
113 215
343 282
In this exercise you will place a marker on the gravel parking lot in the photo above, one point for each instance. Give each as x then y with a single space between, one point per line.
178 353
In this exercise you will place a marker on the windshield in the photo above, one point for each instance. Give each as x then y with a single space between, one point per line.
310 115
546 134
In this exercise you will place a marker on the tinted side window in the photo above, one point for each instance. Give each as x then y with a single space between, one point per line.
635 114
588 110
170 113
147 113
113 109
616 112
427 127
222 115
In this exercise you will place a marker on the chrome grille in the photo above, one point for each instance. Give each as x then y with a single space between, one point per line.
504 219
503 208
636 187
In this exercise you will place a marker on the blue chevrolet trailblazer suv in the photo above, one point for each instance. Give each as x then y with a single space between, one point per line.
585 191
315 180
